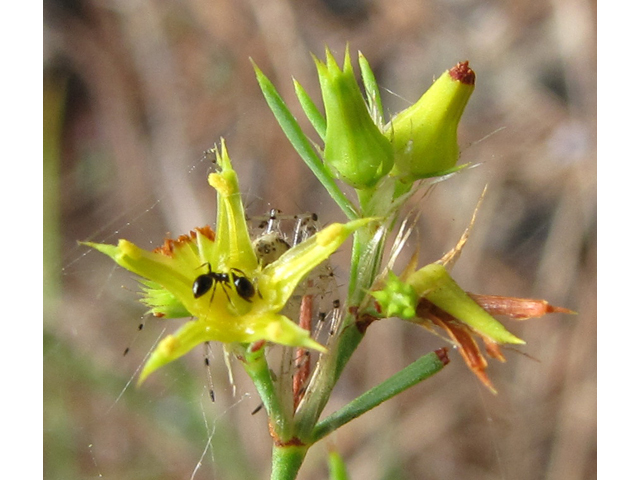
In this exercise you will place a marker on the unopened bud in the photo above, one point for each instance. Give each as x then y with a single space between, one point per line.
424 136
357 152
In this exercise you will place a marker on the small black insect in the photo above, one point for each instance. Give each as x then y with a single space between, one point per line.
205 282
243 285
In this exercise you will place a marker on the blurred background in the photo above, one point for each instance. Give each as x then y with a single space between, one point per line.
134 92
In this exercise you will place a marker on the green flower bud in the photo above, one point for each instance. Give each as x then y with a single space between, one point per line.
396 299
357 152
424 136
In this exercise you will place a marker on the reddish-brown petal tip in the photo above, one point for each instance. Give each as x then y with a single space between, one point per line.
169 243
463 74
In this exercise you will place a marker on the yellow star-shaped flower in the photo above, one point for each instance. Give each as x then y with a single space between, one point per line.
218 280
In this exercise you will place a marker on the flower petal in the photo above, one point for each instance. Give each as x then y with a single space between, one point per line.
283 275
174 346
233 248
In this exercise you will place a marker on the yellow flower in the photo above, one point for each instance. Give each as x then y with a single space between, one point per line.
217 279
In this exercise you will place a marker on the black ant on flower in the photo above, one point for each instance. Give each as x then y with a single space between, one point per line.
236 277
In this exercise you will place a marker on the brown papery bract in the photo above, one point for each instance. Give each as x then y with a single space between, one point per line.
516 308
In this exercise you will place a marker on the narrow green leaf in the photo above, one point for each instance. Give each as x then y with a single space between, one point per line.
312 112
409 376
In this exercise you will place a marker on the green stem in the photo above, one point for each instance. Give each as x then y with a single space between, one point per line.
356 255
366 255
256 366
329 372
348 338
286 461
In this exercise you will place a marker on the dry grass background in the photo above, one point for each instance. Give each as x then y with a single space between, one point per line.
149 85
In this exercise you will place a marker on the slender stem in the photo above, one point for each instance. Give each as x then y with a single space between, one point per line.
329 371
348 338
356 255
286 461
256 366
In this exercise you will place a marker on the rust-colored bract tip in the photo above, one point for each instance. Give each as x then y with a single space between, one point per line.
462 73
517 308
442 354
553 309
